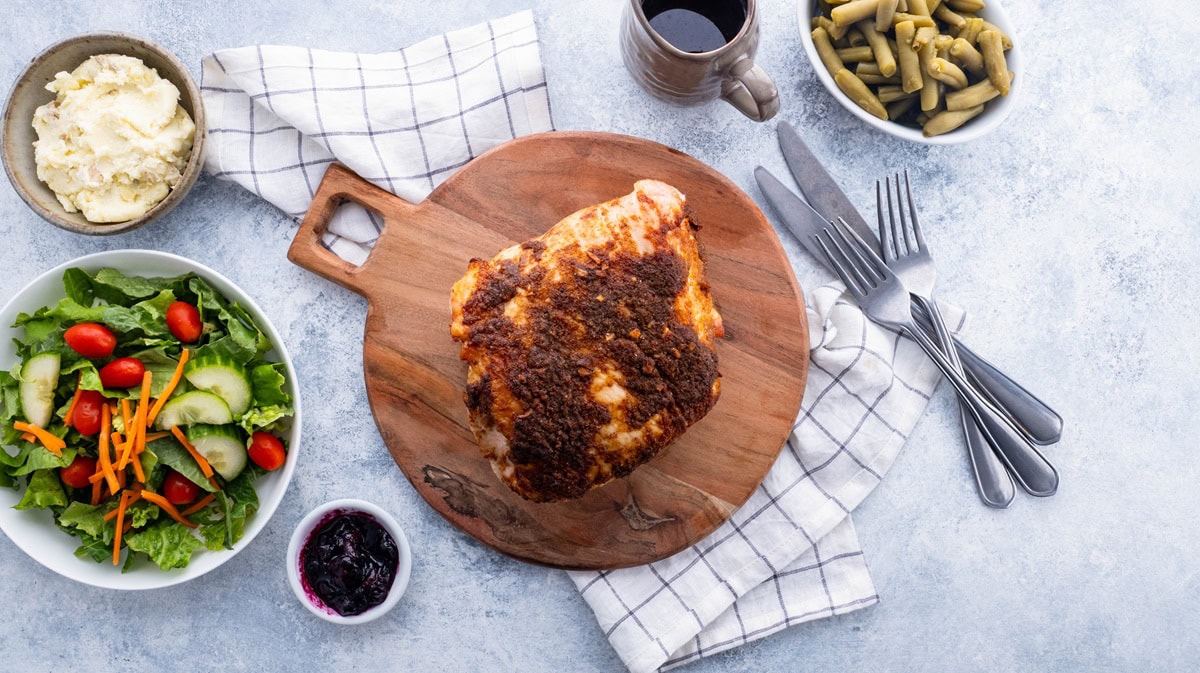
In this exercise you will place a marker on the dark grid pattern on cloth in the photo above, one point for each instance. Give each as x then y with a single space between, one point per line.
790 554
403 120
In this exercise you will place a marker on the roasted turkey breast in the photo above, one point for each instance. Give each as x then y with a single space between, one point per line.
591 347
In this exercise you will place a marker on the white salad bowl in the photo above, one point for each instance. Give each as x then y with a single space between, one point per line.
305 529
993 115
34 531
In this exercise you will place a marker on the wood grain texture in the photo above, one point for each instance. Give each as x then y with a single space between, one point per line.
415 378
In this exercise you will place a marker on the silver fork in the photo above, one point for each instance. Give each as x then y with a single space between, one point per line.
906 254
885 300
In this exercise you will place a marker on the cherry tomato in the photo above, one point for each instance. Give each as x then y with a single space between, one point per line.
178 489
86 417
267 451
122 373
91 340
184 322
76 474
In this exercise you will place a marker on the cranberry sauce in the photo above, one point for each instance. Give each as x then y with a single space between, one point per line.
349 562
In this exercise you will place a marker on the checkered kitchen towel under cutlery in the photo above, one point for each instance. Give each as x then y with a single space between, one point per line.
405 120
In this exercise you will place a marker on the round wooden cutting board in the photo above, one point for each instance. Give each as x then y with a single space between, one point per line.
415 378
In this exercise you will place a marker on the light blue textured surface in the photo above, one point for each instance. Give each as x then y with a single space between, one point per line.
1062 232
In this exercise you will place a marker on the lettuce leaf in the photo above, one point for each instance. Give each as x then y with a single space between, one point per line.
170 453
40 458
44 490
78 285
268 383
88 519
264 418
168 543
94 548
116 288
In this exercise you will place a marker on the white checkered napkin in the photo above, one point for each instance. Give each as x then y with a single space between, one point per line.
790 554
405 120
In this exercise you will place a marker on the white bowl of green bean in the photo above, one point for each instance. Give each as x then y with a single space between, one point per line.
952 92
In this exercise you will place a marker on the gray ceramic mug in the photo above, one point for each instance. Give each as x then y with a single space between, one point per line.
685 78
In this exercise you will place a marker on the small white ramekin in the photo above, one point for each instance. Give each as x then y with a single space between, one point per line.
318 516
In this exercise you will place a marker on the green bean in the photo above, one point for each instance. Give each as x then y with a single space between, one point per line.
883 15
858 92
1004 38
835 32
891 94
931 90
880 47
945 71
946 121
918 20
967 55
970 29
941 45
856 54
948 17
993 59
901 6
919 7
922 37
966 5
897 109
853 12
976 94
829 57
910 66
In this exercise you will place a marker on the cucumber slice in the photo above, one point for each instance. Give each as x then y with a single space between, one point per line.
194 407
222 446
39 378
221 376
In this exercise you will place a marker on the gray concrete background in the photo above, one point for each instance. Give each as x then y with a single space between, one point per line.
1065 232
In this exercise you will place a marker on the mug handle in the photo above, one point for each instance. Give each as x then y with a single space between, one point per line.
750 89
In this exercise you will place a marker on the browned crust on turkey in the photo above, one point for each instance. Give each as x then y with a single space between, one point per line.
615 307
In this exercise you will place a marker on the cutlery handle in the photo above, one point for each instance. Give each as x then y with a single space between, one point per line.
994 483
1030 468
1041 424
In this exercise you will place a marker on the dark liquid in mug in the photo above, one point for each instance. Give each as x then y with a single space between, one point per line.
696 26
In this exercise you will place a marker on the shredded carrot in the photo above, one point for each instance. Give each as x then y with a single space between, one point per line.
124 503
213 481
126 416
204 466
126 450
167 507
138 473
199 505
166 393
29 437
143 409
105 461
53 444
97 478
153 436
122 475
70 415
133 497
96 486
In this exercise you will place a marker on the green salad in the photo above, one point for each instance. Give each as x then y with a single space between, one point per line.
141 413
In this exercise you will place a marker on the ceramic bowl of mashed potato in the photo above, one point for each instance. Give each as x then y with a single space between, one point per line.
103 133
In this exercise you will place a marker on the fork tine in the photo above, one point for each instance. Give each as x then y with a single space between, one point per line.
859 262
895 232
912 213
839 265
885 240
872 259
909 245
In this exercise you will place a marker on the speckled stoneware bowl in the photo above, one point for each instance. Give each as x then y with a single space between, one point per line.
30 92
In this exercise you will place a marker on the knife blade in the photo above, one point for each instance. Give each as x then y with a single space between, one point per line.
817 186
798 216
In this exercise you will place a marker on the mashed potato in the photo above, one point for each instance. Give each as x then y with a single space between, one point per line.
115 140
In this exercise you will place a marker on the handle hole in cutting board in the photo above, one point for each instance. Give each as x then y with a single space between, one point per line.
352 231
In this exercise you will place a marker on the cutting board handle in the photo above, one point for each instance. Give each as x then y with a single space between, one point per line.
339 185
